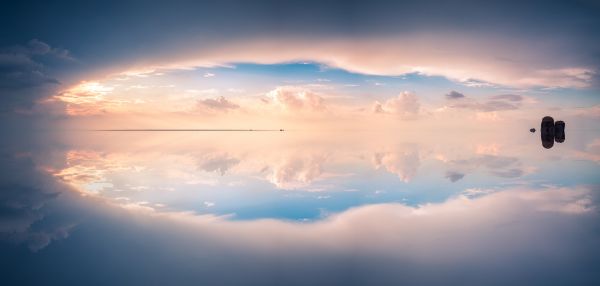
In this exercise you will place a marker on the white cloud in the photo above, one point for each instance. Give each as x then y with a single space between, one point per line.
471 59
405 106
296 99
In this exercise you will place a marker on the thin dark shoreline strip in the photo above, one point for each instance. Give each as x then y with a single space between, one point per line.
185 130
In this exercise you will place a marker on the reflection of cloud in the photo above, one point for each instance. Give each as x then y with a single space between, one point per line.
475 192
404 162
509 173
405 106
500 166
454 95
39 240
490 149
296 172
522 230
24 194
590 151
87 170
509 226
217 163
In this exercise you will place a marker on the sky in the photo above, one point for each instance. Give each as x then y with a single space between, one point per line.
329 60
376 142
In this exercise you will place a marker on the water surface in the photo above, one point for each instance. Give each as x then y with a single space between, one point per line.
349 207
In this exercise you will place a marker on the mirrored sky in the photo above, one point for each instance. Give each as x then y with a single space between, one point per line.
288 143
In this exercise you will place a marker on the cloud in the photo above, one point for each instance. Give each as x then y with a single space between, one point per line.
37 47
491 104
454 95
477 83
509 173
208 74
476 192
89 97
220 104
454 176
17 71
508 97
464 58
589 112
405 106
296 99
24 78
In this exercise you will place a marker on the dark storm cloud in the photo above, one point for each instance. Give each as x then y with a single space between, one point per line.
141 19
24 76
139 29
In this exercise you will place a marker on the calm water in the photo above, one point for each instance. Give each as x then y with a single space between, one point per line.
300 207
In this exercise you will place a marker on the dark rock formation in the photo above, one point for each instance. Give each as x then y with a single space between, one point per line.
547 132
551 132
559 131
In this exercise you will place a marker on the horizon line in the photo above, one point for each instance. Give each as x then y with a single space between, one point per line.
186 130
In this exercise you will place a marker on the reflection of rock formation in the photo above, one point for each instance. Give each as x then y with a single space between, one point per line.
551 132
